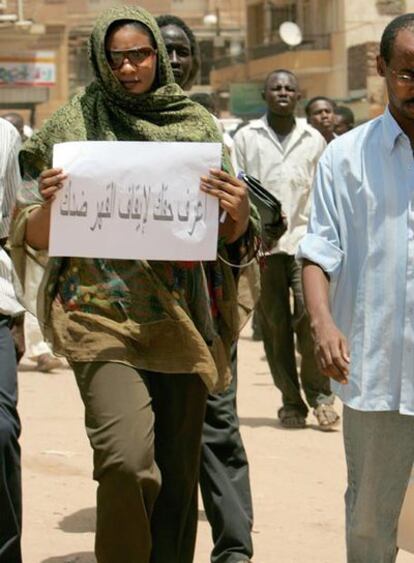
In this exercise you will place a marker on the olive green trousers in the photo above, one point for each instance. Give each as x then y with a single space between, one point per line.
145 431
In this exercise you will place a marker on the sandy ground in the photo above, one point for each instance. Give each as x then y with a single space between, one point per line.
298 477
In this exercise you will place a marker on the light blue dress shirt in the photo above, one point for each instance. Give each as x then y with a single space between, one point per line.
361 232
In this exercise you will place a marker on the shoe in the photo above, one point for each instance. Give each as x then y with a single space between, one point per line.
291 418
326 416
48 362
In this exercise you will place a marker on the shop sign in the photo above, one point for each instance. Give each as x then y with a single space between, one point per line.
28 68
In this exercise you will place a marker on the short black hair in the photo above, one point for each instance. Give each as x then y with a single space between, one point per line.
168 19
346 113
14 116
406 21
280 71
319 99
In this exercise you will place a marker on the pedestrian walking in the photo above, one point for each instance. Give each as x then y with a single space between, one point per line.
320 113
282 152
10 476
358 282
27 330
125 326
224 469
344 120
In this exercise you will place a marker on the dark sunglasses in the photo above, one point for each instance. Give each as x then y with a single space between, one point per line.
136 56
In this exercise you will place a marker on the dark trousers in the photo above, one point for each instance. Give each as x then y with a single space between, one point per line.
10 478
224 477
145 431
280 279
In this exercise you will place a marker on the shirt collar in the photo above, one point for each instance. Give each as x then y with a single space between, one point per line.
391 130
301 125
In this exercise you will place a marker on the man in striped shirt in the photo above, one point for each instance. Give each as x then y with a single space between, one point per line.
10 486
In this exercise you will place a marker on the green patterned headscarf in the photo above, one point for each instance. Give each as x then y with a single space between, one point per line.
106 111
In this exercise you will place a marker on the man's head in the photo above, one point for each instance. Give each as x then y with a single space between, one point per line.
281 93
182 49
16 120
344 120
396 64
320 114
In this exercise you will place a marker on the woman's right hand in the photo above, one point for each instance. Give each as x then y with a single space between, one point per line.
50 181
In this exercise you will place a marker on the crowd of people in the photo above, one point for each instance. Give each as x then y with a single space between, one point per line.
153 344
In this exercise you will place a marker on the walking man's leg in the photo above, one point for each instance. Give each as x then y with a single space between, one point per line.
278 338
317 388
224 477
10 479
379 448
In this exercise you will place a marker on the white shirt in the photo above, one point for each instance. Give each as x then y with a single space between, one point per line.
361 232
9 183
287 170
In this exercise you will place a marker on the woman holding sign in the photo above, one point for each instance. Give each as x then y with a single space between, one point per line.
146 340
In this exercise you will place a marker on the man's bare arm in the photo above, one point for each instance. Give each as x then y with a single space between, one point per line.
331 348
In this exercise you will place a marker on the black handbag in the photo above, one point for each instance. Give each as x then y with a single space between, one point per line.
274 223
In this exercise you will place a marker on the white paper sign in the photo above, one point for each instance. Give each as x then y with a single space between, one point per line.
135 200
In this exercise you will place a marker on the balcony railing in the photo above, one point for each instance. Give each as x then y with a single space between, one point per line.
229 60
309 43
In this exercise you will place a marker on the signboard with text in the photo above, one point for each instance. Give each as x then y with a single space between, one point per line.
135 200
28 68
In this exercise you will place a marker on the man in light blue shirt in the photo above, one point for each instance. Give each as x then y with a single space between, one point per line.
358 278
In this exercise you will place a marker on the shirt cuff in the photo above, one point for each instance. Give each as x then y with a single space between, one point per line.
322 252
4 228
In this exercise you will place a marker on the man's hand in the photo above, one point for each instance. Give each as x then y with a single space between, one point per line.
331 347
331 351
17 331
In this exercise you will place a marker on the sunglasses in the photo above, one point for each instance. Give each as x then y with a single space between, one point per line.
136 56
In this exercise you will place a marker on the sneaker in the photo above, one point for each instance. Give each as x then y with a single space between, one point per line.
48 362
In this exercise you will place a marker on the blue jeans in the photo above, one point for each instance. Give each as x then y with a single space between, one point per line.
379 448
10 481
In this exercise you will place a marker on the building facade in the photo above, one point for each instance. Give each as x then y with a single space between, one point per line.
59 29
239 40
336 57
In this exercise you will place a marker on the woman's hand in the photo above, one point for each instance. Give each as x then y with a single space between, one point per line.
38 221
233 199
50 181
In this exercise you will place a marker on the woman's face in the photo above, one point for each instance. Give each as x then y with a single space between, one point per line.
132 58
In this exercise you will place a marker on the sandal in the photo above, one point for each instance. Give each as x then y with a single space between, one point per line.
326 416
291 418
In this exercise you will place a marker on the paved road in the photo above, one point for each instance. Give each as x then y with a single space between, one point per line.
298 477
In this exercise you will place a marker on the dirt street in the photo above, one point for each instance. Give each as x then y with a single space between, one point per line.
298 476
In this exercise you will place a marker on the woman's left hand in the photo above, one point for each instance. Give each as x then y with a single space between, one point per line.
233 198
